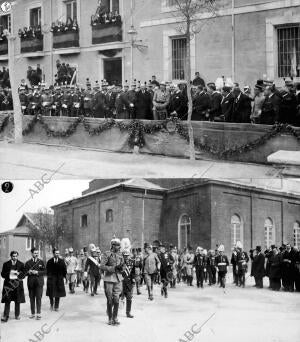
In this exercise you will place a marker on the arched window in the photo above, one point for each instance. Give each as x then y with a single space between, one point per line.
297 234
83 221
184 231
236 229
269 233
109 215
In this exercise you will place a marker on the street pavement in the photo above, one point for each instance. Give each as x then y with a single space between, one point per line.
30 161
189 314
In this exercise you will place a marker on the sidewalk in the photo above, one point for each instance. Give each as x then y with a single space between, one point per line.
28 161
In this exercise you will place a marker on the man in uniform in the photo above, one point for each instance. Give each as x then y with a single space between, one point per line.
71 263
131 98
200 263
166 264
138 267
99 105
151 266
23 99
13 273
222 264
36 270
161 101
87 99
233 262
92 269
258 267
128 275
242 264
85 279
112 264
211 268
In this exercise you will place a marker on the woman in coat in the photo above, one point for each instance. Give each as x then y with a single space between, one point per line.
13 272
56 272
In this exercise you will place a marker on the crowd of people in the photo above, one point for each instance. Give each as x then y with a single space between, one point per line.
160 100
125 269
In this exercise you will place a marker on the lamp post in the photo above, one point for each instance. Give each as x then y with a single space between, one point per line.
132 33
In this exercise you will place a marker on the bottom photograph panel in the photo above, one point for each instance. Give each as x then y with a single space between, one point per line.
150 259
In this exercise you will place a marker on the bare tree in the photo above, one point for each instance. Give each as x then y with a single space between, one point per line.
49 231
18 116
189 14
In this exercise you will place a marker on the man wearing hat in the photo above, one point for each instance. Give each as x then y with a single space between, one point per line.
151 266
258 267
71 263
211 267
85 278
128 275
222 264
92 269
166 264
271 106
242 264
122 103
200 263
275 269
138 267
227 103
112 264
288 268
241 111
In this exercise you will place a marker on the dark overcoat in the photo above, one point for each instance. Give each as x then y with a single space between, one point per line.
56 272
13 290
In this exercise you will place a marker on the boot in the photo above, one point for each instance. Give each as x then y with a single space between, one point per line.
70 287
109 313
128 308
115 314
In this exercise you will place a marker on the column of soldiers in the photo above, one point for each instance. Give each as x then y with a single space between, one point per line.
125 269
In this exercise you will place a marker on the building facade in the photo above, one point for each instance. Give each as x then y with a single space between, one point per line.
18 239
193 212
244 41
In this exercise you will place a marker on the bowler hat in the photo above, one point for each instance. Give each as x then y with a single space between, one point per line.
258 248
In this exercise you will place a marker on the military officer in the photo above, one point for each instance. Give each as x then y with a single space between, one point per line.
151 266
200 263
112 264
211 267
242 264
71 263
138 266
222 263
92 269
161 101
128 275
166 265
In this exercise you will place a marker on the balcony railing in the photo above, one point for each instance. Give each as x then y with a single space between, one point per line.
32 39
65 35
106 28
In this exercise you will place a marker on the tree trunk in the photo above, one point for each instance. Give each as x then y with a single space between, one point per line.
189 95
18 116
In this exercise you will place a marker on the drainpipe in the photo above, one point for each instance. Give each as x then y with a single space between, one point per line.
232 41
51 45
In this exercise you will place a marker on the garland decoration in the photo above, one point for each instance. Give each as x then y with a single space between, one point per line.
137 130
3 122
30 125
61 134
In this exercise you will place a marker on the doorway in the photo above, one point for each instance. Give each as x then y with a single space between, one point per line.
113 70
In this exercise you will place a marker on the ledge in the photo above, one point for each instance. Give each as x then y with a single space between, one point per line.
33 54
285 158
66 51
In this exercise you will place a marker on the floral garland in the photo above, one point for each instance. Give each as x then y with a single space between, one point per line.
65 133
137 129
224 154
30 126
3 122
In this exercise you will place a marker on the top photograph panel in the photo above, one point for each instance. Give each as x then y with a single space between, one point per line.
162 88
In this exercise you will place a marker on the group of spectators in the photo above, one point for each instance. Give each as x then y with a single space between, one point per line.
4 78
34 76
64 73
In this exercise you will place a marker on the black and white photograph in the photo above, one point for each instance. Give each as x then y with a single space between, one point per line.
149 170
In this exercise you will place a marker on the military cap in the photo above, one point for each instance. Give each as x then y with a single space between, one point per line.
273 247
147 245
71 250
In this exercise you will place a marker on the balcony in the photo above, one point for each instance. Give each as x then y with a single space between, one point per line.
65 35
3 45
106 28
32 40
